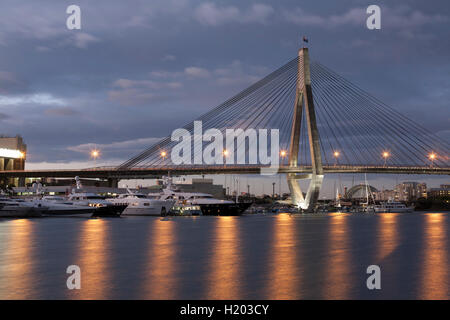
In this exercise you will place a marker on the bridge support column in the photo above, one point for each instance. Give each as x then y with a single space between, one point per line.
21 182
304 100
113 182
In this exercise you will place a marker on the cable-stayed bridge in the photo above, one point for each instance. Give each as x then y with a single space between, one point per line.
325 124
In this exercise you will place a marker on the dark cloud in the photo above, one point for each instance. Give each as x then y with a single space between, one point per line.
10 83
61 112
4 116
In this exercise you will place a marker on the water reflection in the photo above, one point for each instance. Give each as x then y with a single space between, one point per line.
387 235
338 280
284 273
226 260
93 259
161 279
435 282
17 280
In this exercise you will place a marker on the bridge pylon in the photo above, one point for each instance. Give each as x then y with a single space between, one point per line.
304 102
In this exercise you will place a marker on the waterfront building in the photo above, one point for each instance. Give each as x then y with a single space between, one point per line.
384 195
410 191
13 153
443 191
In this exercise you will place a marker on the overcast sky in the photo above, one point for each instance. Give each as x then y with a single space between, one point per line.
139 69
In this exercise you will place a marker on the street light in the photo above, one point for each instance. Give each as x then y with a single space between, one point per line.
432 157
336 155
283 154
95 154
385 156
163 155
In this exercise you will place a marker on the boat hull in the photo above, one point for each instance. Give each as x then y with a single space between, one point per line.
79 213
6 212
224 209
113 210
142 211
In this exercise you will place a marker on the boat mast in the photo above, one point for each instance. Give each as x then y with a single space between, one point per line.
367 188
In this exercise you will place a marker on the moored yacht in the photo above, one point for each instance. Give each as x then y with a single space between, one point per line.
142 205
17 208
61 207
207 203
392 206
103 208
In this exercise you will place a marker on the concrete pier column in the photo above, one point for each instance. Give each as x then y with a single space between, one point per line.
21 182
113 182
304 100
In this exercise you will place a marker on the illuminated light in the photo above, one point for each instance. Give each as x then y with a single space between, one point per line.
95 154
163 154
225 152
11 153
283 153
385 154
336 154
432 156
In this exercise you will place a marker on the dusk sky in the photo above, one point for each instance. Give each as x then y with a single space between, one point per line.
139 69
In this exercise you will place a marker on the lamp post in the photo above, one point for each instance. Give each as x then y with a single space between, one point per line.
432 156
225 155
385 156
273 191
95 153
163 155
336 155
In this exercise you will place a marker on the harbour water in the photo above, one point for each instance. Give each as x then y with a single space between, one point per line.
321 256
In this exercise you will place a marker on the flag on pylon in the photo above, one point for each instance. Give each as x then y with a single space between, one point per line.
305 39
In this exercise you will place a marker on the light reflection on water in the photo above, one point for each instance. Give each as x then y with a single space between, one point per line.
387 235
16 260
224 276
160 281
93 258
284 281
296 256
435 277
337 282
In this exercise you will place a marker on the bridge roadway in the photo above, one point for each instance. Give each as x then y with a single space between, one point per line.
154 172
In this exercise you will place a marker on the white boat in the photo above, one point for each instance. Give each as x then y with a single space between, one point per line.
103 208
392 206
17 208
138 204
207 203
61 207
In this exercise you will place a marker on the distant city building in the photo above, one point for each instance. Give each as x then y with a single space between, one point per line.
443 191
410 191
384 195
12 153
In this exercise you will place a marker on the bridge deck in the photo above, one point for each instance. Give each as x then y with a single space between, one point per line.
142 173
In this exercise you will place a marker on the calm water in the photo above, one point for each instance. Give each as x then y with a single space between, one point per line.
248 257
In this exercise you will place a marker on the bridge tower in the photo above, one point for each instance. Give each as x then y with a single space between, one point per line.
304 103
